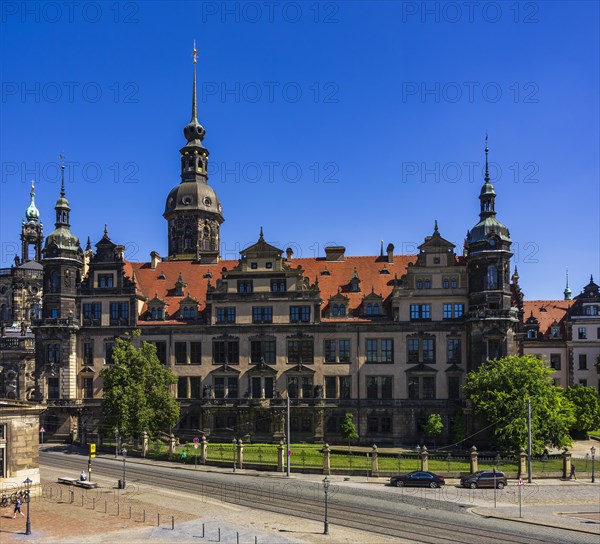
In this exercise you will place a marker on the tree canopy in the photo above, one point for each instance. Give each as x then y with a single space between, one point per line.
137 394
434 425
499 391
348 428
586 404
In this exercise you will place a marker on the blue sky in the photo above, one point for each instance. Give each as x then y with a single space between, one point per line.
328 123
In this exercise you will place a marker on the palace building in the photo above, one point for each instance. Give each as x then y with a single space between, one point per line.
388 338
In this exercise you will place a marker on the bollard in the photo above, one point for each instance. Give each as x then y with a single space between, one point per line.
82 499
72 497
158 519
144 516
172 523
118 509
255 539
237 537
94 503
203 530
130 512
105 507
219 535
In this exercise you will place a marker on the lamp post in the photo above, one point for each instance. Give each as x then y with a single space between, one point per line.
28 483
116 429
124 452
326 483
418 448
234 443
593 450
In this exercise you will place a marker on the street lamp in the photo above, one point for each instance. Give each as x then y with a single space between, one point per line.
116 429
124 452
593 450
234 443
326 483
418 448
28 483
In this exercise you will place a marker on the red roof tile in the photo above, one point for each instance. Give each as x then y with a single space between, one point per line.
546 312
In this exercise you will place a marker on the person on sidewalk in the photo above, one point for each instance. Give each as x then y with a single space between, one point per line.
82 476
573 472
183 456
18 508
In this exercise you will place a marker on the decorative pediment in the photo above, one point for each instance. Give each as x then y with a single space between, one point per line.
421 368
261 249
225 370
300 369
262 368
337 305
188 308
157 308
372 304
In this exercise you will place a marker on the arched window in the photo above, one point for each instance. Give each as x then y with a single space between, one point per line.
376 309
206 238
153 313
159 314
186 313
492 277
342 309
419 284
369 309
336 309
192 312
54 281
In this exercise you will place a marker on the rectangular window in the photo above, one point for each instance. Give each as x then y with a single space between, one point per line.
226 387
372 387
446 283
232 388
300 351
583 382
105 281
379 387
195 390
262 351
262 314
428 350
345 387
427 284
53 389
583 361
245 286
447 311
92 310
428 388
299 314
226 352
181 353
278 286
119 313
108 353
413 350
454 351
88 388
459 310
337 351
413 388
161 351
453 283
182 388
420 311
307 387
53 354
331 351
582 333
330 387
293 387
226 314
195 353
88 353
453 387
380 350
344 351
555 361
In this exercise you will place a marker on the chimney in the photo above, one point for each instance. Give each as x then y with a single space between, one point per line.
335 253
390 253
288 254
154 259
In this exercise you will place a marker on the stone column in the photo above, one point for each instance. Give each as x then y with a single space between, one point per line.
240 454
203 446
145 443
280 458
522 463
326 459
374 462
566 463
424 459
474 460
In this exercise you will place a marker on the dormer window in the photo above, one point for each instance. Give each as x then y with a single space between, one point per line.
531 333
253 266
591 310
554 332
355 287
419 284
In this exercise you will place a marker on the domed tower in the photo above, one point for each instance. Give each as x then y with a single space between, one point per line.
62 259
193 210
493 318
31 231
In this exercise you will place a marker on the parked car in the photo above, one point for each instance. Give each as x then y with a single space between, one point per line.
418 479
484 478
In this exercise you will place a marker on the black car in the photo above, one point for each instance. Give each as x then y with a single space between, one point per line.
418 479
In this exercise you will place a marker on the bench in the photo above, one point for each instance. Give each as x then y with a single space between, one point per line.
67 481
78 483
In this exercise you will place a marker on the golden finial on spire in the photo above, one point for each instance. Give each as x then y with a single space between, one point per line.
195 53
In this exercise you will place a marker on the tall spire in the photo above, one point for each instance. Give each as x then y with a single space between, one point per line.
194 107
62 204
62 175
487 195
32 213
487 169
567 291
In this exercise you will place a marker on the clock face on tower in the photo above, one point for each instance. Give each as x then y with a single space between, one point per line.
492 242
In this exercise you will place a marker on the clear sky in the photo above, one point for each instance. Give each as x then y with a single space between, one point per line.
328 123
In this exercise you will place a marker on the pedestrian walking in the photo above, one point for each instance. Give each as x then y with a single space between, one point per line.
573 472
183 456
18 508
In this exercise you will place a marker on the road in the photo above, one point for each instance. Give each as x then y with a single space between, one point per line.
410 517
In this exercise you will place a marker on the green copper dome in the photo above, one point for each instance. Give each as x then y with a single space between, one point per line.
32 213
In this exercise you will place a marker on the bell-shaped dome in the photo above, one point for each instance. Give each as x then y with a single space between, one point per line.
192 196
32 213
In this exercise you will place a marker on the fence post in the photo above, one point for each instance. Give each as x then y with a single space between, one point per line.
522 463
374 462
280 457
144 444
566 463
474 460
326 459
203 446
240 453
424 459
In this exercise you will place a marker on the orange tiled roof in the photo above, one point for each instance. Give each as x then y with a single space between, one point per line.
546 312
149 282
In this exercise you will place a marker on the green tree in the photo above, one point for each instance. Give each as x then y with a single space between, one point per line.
349 429
137 394
499 391
434 426
587 408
